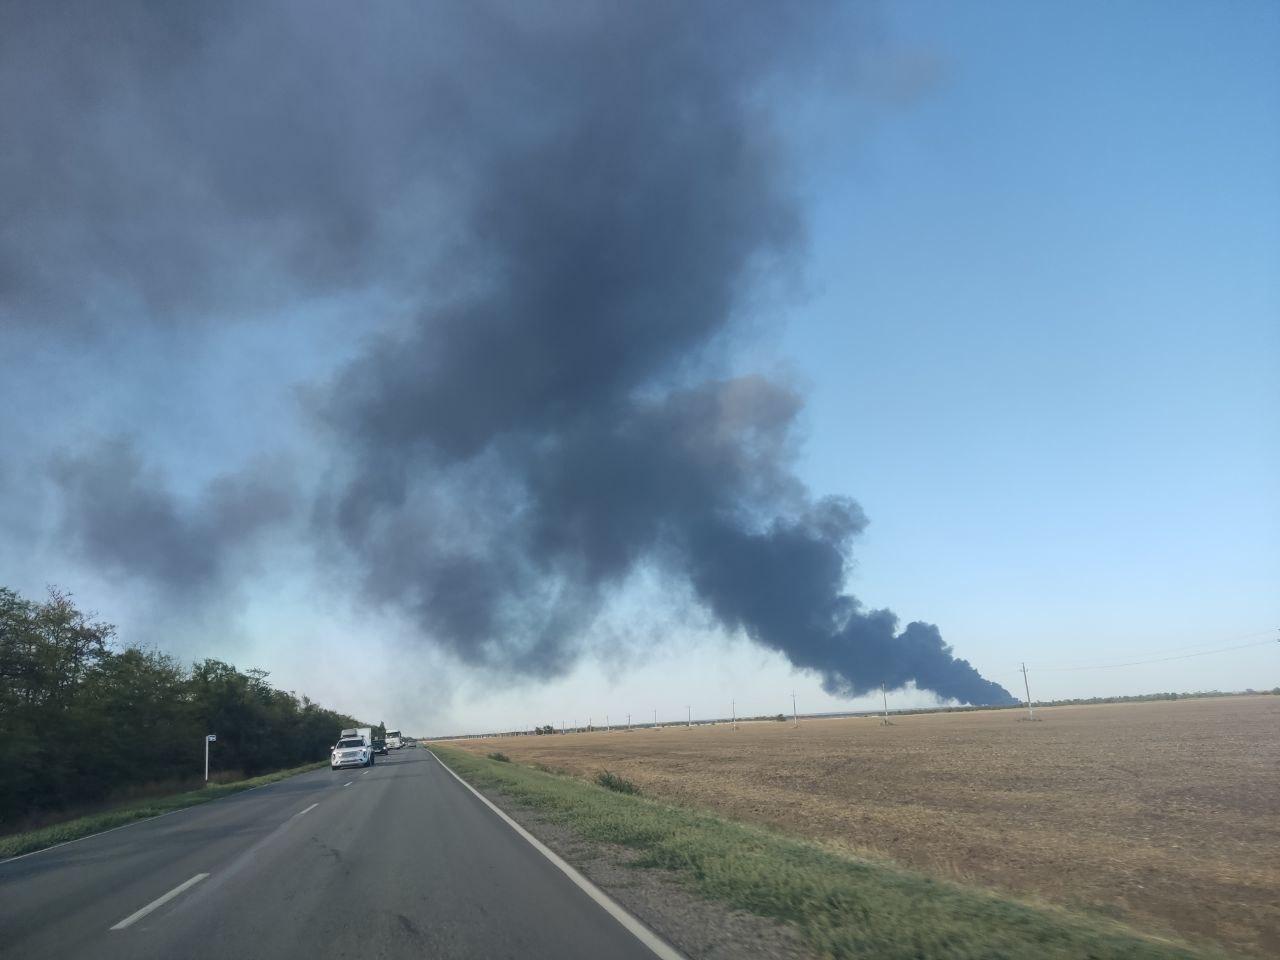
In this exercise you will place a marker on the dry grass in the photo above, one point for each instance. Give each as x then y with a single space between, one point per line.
1166 815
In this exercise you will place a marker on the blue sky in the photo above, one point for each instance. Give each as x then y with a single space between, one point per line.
1039 339
1045 337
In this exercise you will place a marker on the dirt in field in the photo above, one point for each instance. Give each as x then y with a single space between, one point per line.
1165 815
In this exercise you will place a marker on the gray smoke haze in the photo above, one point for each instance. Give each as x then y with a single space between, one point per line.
581 203
121 516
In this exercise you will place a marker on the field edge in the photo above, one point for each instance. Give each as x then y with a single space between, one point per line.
840 905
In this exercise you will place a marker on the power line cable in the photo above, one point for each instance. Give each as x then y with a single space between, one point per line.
1183 656
1202 645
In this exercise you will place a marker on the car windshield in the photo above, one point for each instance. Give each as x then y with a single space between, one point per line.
350 744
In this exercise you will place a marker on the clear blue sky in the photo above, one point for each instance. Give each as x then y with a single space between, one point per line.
1044 345
1040 344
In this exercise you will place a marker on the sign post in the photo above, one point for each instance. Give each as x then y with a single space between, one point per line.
208 740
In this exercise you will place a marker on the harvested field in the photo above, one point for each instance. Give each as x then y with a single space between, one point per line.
1165 815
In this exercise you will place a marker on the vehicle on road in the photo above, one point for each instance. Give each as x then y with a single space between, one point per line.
380 746
351 752
365 733
394 742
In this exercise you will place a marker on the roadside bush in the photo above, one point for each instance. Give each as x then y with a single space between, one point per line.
611 781
500 757
87 720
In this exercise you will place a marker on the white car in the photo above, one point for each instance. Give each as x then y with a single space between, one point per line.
352 752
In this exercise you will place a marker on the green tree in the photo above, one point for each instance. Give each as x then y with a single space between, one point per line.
82 720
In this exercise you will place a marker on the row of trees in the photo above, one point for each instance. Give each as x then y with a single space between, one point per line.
83 718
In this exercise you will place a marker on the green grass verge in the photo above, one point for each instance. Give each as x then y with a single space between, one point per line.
19 843
842 906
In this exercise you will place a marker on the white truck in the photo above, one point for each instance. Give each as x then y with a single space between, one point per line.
394 741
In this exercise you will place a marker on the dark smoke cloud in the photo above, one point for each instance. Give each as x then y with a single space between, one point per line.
584 201
120 516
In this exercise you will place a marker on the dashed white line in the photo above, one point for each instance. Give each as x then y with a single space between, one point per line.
159 902
131 823
365 774
348 783
301 812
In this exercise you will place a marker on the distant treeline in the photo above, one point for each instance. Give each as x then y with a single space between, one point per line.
1144 697
1078 701
82 719
965 708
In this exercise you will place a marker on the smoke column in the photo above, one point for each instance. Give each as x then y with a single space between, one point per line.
583 204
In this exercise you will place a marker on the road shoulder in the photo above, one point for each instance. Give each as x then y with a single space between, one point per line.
701 929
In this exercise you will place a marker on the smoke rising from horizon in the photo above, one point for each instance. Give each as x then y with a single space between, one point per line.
583 203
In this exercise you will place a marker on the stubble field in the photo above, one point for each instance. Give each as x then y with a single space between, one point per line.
1165 815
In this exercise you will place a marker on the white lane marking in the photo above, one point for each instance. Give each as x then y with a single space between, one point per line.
159 902
134 823
348 783
642 933
365 774
301 812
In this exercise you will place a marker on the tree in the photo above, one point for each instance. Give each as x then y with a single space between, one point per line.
82 720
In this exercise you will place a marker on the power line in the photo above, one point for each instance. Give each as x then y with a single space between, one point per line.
1183 656
1202 645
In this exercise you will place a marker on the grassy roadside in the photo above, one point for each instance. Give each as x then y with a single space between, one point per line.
841 906
19 843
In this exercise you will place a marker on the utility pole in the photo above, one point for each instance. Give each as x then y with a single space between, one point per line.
628 723
689 714
210 738
886 705
1031 714
733 711
607 728
655 718
795 717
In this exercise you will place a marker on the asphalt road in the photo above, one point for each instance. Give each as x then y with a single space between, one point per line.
397 861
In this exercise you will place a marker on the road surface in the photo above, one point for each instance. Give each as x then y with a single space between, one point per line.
400 860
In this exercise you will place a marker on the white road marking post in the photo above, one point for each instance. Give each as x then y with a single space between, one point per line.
660 948
159 902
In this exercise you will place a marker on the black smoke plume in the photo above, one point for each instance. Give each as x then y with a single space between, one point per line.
586 202
122 518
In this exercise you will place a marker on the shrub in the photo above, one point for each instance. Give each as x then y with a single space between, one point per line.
611 781
500 757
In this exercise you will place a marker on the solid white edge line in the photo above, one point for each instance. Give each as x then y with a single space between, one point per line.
642 933
308 810
159 902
